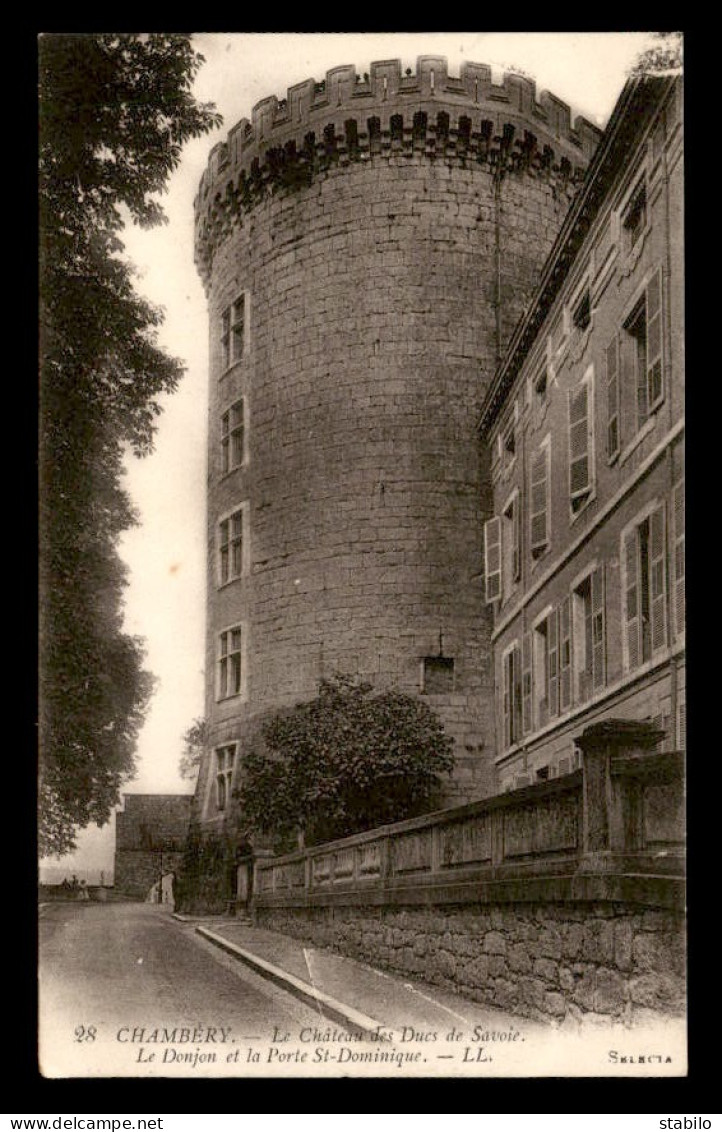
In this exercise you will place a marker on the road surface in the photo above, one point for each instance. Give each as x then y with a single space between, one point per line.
126 990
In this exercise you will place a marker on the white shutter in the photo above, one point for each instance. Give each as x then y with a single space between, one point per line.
657 579
655 384
538 512
492 558
631 598
613 424
679 604
597 588
579 463
507 698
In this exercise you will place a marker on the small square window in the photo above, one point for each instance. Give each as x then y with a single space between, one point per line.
438 675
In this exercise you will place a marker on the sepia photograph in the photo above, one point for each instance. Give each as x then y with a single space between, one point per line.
362 555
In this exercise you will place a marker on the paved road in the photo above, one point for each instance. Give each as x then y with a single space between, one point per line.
160 1001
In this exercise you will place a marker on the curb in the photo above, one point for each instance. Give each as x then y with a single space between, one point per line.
330 1007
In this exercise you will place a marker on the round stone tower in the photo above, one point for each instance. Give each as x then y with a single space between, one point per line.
367 245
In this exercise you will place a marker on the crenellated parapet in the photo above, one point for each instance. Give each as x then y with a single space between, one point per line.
387 114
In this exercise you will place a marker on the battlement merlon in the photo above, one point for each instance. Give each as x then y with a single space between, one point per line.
385 91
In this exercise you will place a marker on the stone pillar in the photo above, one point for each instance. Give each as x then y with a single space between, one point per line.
609 814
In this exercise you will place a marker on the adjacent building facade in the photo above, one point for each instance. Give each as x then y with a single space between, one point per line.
583 430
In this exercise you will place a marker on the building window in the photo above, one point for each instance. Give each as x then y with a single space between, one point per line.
511 542
581 442
565 655
644 589
225 758
231 545
509 444
230 662
233 437
527 684
539 496
611 356
589 640
438 675
541 384
511 705
492 559
643 349
233 332
634 218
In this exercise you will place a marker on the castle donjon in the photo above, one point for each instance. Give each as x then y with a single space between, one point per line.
368 245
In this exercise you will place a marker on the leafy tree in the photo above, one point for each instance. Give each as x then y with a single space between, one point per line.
194 741
115 111
345 761
663 55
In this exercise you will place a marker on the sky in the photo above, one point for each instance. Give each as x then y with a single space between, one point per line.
165 553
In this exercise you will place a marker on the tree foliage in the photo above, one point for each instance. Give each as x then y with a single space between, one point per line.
114 113
345 761
194 741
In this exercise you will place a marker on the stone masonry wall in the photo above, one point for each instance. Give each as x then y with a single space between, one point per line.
595 964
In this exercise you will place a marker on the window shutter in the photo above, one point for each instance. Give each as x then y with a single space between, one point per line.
517 694
682 722
579 470
492 558
655 390
507 696
526 680
516 540
631 598
613 429
538 516
642 393
657 588
553 658
565 655
597 587
679 606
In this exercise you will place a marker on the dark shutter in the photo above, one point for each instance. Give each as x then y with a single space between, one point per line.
655 385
